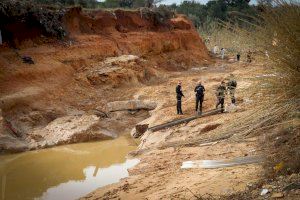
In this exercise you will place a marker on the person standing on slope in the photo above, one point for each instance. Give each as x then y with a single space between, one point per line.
220 93
238 56
179 95
199 90
222 53
231 86
215 49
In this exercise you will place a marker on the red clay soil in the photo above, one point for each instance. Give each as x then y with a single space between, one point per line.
96 35
65 76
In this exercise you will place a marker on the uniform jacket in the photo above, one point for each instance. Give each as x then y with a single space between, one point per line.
179 93
221 90
231 84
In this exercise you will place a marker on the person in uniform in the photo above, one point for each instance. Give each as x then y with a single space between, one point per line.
220 93
238 56
179 96
231 86
199 90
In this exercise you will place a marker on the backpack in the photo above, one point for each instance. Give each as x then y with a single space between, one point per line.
233 83
199 91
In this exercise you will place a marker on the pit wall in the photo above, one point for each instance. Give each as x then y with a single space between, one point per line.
71 75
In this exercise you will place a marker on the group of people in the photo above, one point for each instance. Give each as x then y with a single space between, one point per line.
199 90
222 51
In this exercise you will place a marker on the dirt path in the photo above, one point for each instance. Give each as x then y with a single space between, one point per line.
158 175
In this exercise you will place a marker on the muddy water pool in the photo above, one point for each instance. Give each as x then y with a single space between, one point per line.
65 172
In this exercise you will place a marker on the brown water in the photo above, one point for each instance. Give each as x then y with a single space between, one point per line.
65 172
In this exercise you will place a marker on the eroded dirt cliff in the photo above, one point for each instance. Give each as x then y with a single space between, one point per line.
105 56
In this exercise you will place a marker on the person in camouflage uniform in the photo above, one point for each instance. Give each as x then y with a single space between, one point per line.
231 86
249 56
220 93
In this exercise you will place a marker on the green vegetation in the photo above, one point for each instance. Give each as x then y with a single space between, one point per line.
202 15
83 3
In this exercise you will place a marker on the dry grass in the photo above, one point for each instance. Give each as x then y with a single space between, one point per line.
275 113
276 32
222 35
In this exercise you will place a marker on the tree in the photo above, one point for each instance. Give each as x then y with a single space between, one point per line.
138 3
83 3
126 3
236 2
111 4
151 3
217 9
70 2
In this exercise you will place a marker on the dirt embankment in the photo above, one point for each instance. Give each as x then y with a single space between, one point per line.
105 56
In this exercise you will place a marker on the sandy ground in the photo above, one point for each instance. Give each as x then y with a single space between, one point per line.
158 175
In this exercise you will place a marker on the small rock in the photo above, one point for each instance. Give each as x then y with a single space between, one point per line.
277 195
232 108
195 69
264 192
249 184
247 101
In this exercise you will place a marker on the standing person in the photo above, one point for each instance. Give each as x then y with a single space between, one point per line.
179 95
215 49
231 86
220 93
249 57
199 96
266 53
222 53
238 56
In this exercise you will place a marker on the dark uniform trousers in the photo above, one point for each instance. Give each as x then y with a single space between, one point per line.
179 110
221 101
199 100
